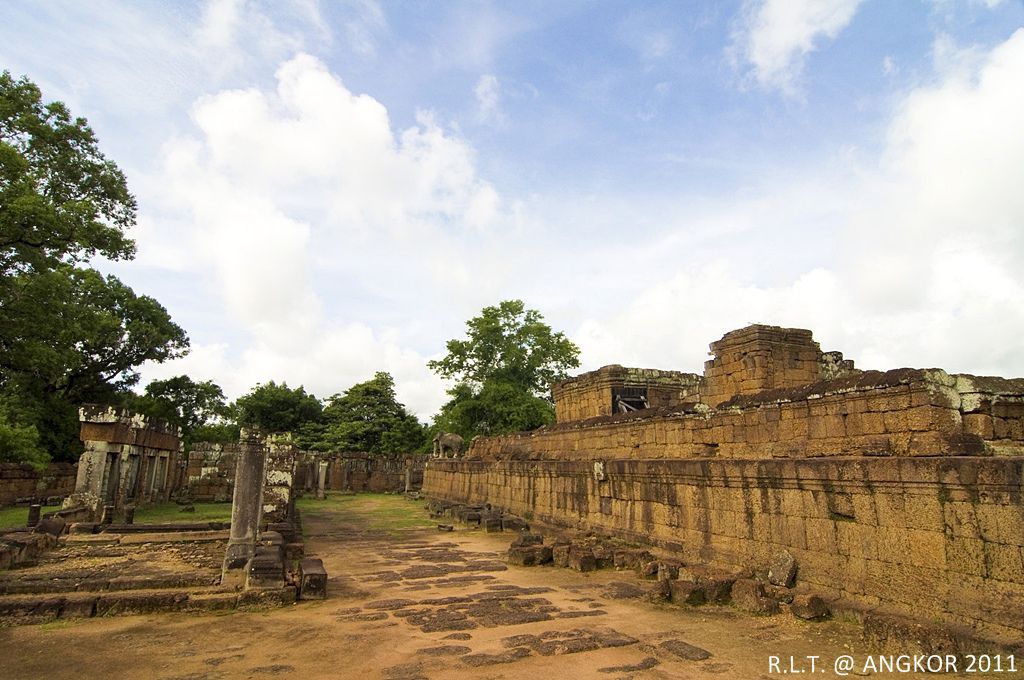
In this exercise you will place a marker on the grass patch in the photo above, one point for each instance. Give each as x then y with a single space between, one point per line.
391 513
170 513
14 517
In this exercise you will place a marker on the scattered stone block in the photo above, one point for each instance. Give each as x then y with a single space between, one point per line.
685 650
581 558
312 579
667 571
531 555
560 555
53 526
445 527
492 525
686 592
660 591
648 570
509 523
749 595
809 607
782 570
525 539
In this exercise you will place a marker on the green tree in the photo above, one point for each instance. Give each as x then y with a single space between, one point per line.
504 370
367 417
62 200
19 438
67 333
509 344
188 404
278 408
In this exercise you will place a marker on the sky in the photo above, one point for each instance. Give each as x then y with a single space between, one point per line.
330 189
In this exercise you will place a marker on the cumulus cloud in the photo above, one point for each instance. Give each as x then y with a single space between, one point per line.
280 186
775 36
929 246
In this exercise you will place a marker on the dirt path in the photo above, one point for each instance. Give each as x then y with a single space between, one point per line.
409 602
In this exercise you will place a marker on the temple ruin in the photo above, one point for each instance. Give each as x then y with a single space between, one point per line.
896 492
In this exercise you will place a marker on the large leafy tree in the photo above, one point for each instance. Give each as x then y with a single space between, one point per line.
188 404
278 408
67 333
503 370
367 417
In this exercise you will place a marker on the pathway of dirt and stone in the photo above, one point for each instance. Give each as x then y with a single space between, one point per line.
406 601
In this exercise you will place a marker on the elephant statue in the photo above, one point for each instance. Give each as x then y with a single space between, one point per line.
447 445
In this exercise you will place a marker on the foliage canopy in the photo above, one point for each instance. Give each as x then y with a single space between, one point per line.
508 360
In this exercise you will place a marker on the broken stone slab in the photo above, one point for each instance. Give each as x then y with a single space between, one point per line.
581 558
685 650
749 595
312 579
560 555
523 540
668 571
660 591
809 607
648 570
631 558
531 555
492 525
778 593
35 512
509 523
53 526
445 527
686 592
782 570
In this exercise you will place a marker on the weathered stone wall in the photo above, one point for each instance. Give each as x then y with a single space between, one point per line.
905 412
590 395
22 483
757 358
211 471
901 490
369 472
937 537
128 460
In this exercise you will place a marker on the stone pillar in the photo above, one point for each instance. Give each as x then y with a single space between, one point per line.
34 512
279 478
408 474
108 515
344 476
321 479
246 504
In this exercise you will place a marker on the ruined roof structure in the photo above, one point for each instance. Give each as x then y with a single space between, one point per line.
896 491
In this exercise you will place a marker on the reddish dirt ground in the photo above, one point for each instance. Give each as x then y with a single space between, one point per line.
409 603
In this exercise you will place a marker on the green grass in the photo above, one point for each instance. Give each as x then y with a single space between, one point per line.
170 513
15 517
391 513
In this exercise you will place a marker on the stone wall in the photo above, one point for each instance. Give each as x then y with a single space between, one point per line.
128 460
899 491
22 483
591 394
211 470
369 472
904 412
210 474
938 537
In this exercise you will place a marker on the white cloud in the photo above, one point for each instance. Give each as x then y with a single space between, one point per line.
929 247
488 99
775 36
284 190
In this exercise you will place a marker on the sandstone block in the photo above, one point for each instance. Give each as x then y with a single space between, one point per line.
749 595
581 558
525 539
560 555
686 592
782 570
809 607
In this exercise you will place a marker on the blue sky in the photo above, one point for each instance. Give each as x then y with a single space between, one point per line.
328 189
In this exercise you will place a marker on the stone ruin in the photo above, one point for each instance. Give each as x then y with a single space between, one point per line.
211 472
783 473
91 559
129 460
